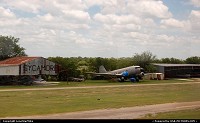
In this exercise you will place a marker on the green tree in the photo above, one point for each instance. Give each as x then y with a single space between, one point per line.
123 62
98 61
82 66
171 61
144 59
68 67
9 47
193 60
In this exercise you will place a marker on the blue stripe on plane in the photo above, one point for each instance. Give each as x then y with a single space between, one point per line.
125 73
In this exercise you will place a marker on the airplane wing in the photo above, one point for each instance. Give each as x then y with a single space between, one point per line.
94 73
104 74
108 74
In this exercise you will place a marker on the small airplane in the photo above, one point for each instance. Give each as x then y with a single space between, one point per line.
133 72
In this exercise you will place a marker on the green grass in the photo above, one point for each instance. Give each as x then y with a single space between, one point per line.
93 83
38 102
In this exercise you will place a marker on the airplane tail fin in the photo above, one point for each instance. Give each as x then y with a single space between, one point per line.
102 69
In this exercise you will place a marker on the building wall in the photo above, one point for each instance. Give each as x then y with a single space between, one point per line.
160 69
182 71
9 70
38 66
154 76
179 70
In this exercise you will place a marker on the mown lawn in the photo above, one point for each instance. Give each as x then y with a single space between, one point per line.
22 103
91 83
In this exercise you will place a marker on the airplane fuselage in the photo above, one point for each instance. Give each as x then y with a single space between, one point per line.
132 70
124 73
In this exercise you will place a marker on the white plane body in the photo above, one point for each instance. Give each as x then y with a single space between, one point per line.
123 73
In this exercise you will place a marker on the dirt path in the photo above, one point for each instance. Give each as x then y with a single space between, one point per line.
121 113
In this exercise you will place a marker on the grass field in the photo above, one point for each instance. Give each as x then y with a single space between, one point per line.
22 103
94 83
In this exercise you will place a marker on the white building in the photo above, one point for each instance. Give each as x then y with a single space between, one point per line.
28 66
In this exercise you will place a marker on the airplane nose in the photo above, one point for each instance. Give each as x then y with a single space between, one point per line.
142 73
141 69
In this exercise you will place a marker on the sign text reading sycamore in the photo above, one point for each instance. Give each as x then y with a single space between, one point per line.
39 67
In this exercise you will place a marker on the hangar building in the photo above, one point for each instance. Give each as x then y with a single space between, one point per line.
178 70
27 66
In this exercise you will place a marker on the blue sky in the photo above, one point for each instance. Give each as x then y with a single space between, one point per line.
103 28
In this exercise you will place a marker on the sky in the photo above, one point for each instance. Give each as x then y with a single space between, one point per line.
103 28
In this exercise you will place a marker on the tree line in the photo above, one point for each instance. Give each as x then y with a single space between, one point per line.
75 66
85 64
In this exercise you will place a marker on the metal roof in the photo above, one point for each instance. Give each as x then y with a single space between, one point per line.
17 60
175 65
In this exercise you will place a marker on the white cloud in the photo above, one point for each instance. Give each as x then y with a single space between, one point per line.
9 23
195 14
115 19
77 15
141 36
32 6
8 18
125 27
192 24
68 4
6 13
154 8
195 20
145 8
171 22
46 17
90 3
165 38
196 3
118 28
